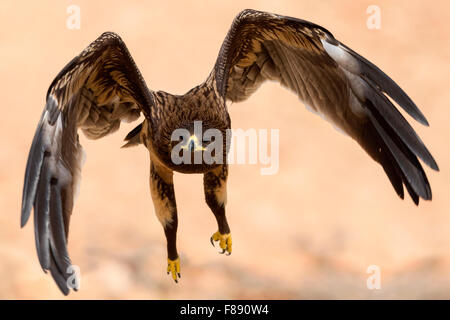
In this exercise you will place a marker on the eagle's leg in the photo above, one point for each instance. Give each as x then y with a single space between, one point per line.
163 195
215 185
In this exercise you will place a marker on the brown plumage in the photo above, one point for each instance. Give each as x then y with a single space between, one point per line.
102 87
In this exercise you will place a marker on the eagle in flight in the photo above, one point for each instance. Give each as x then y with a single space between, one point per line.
102 86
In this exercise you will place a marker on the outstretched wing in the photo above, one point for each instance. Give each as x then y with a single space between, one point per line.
332 80
95 92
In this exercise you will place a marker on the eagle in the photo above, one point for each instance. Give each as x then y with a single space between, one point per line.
102 86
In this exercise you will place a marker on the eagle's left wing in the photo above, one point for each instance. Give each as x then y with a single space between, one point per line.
332 80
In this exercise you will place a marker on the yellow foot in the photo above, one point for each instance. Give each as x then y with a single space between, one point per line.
225 242
173 266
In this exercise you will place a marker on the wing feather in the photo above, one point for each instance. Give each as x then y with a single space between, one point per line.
94 92
332 80
386 84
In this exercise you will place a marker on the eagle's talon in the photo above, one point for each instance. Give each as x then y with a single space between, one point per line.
173 267
212 242
225 242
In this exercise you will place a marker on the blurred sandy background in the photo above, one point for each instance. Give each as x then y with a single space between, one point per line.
309 231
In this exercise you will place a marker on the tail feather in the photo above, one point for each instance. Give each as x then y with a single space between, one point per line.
392 171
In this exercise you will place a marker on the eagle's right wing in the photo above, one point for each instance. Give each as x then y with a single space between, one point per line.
95 92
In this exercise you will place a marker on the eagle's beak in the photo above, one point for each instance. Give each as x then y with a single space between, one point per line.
193 144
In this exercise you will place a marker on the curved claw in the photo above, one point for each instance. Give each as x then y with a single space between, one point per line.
224 240
173 267
212 241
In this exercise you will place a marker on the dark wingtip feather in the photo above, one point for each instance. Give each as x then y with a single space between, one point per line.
398 123
41 212
413 174
133 137
423 121
59 278
24 219
57 229
35 159
414 196
65 280
372 141
32 171
46 176
390 170
389 86
434 166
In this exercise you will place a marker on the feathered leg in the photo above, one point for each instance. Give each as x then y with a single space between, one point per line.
163 195
215 186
